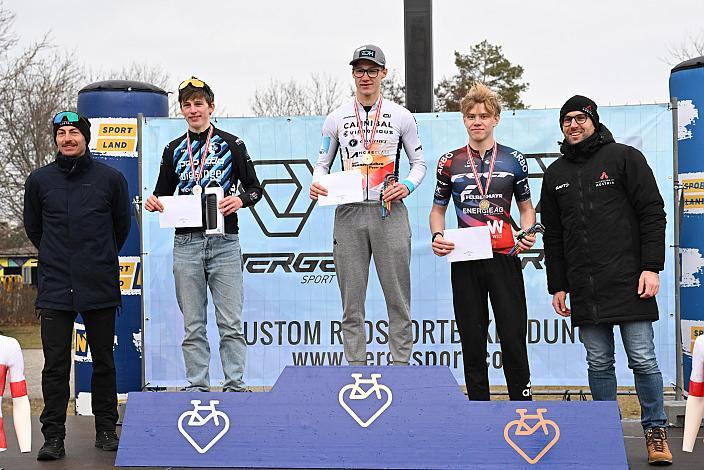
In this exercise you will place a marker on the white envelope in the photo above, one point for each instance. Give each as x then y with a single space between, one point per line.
470 243
343 187
180 211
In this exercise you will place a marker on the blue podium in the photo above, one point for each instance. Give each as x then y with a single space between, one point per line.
366 417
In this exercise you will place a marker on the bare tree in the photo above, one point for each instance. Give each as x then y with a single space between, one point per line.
37 83
291 98
323 94
140 72
42 85
393 88
8 40
689 49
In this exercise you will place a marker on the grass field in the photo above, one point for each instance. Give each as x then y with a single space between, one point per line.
27 335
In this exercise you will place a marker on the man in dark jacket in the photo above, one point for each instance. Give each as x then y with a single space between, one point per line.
76 212
605 245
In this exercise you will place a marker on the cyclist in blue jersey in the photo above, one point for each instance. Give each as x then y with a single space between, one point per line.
206 155
482 178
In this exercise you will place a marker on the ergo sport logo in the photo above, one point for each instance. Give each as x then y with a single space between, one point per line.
286 207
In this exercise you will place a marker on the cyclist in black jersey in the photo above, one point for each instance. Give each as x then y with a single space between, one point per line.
482 178
205 155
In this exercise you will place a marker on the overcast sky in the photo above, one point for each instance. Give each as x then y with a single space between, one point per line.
616 51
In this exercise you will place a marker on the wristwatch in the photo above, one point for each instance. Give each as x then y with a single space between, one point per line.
435 235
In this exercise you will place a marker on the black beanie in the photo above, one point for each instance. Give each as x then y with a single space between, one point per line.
83 124
580 103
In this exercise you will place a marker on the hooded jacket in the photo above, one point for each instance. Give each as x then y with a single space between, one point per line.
77 214
604 225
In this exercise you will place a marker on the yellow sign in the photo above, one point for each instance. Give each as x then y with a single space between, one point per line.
118 130
523 429
696 332
130 275
693 191
115 137
116 145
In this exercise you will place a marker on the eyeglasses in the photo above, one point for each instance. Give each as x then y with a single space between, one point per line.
67 116
579 119
194 82
371 73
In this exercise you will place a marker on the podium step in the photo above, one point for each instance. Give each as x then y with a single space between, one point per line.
366 417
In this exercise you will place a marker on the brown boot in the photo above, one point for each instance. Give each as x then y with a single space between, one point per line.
658 451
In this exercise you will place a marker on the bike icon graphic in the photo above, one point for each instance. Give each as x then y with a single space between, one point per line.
195 419
356 392
523 429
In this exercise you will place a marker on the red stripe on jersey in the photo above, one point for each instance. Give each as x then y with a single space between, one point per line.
696 389
3 440
18 389
3 378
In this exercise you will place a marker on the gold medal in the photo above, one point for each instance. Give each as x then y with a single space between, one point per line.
197 190
368 159
484 205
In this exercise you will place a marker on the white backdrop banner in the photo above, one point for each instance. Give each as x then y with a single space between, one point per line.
292 307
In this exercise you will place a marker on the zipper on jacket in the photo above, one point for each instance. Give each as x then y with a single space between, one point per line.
585 238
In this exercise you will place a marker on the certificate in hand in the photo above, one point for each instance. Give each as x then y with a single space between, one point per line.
343 187
180 211
470 243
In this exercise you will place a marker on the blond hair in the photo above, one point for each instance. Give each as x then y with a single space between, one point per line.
481 94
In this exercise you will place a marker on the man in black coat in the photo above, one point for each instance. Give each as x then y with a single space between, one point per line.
605 245
76 212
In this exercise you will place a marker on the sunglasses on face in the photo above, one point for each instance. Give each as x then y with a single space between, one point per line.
580 119
67 116
194 82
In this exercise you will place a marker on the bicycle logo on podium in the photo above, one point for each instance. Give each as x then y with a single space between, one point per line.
523 429
195 419
356 392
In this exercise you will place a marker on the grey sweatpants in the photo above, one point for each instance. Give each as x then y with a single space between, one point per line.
359 233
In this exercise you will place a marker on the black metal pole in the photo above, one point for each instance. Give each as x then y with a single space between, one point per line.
418 42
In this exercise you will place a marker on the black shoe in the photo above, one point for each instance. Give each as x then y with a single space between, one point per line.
107 440
53 449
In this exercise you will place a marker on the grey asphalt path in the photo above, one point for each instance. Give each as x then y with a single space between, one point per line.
33 364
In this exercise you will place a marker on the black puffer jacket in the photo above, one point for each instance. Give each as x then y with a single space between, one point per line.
605 225
76 212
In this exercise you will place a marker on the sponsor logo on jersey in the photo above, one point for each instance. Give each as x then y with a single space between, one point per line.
496 226
562 186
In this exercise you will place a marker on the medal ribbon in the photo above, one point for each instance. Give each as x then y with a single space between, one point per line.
482 191
203 154
363 131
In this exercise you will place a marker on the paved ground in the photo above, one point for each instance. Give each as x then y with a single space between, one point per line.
33 364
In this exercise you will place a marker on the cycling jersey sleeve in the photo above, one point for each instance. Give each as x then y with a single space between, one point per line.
15 366
443 188
167 181
414 150
521 189
251 188
328 149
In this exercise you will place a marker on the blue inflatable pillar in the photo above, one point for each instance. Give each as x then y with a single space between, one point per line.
113 106
687 87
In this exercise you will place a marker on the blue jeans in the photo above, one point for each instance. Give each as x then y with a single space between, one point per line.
637 339
215 262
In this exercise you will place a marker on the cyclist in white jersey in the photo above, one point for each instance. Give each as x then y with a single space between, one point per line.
368 134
